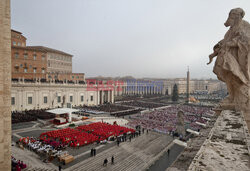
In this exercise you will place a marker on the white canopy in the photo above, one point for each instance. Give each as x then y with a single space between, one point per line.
179 142
193 132
62 120
202 124
60 111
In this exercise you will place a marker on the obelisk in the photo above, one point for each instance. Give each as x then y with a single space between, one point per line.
188 82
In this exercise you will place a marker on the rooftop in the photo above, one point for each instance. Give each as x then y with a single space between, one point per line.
42 49
46 49
16 31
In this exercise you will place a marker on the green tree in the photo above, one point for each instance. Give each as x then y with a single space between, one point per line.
175 96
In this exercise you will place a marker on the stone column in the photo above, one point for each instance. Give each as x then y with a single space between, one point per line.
112 96
5 85
108 94
98 97
101 97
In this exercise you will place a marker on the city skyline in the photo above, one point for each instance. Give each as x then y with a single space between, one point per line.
156 39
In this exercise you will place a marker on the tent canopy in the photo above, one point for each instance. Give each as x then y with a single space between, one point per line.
61 120
61 111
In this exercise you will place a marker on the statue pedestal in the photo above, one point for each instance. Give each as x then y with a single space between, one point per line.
227 106
247 118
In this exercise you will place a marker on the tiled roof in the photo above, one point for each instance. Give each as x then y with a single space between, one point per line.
46 49
16 31
41 49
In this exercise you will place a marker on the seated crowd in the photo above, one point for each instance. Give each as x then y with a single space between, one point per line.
141 104
165 120
107 108
127 98
161 99
50 147
17 165
40 114
30 115
17 117
104 130
84 134
127 112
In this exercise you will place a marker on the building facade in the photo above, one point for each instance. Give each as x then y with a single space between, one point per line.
165 86
58 61
40 95
39 62
17 39
28 63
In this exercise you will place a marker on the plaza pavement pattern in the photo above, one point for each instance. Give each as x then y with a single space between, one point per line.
137 155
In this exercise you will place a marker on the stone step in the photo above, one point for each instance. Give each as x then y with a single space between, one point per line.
98 159
135 159
40 169
129 156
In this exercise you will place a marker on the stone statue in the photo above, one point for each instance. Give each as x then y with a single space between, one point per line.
180 124
232 65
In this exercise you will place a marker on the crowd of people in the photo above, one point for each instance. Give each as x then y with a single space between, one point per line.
107 108
50 149
41 145
127 98
165 120
30 115
100 109
127 112
85 134
147 105
17 117
40 114
161 99
17 165
136 97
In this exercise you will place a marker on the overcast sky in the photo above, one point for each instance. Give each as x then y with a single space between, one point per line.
141 38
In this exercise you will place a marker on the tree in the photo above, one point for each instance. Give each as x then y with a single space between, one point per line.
175 96
166 92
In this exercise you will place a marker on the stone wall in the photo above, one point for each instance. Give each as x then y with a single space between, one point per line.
5 85
227 146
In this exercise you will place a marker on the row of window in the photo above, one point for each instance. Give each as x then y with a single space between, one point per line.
60 57
45 99
58 64
25 56
18 43
25 70
25 66
77 77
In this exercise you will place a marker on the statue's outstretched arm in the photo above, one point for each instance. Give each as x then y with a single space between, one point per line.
211 56
216 49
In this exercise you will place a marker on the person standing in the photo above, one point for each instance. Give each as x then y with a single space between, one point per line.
168 152
92 152
112 160
60 167
105 162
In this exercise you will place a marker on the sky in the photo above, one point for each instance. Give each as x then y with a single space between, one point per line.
140 38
